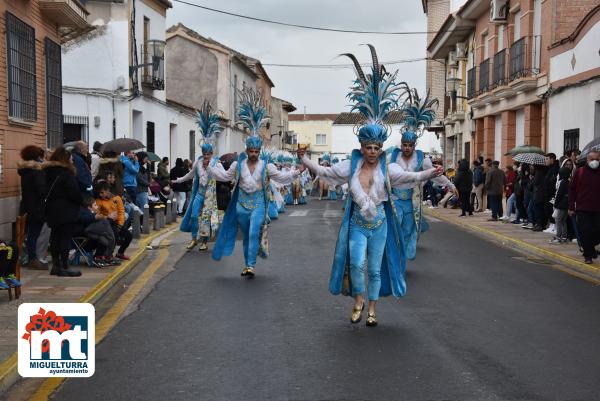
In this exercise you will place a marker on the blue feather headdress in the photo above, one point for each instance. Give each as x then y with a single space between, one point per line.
374 96
252 115
208 123
417 115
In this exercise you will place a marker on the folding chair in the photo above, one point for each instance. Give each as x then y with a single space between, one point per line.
79 243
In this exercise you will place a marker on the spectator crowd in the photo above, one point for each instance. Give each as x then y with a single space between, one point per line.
72 194
561 198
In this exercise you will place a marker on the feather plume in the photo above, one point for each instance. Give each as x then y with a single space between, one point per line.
419 113
208 122
252 114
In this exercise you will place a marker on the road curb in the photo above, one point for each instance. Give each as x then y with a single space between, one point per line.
567 264
9 367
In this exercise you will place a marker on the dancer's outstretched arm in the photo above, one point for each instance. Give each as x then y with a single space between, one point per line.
398 176
280 176
338 174
442 180
220 174
189 175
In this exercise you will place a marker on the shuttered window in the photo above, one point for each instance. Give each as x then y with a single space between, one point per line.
20 53
54 118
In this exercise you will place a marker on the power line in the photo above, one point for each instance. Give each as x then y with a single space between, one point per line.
335 66
315 28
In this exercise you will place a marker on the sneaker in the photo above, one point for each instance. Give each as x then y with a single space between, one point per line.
555 241
3 285
516 222
588 261
551 229
487 211
537 229
12 280
527 226
122 256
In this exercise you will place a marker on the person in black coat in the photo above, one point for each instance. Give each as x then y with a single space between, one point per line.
64 199
33 192
180 188
539 197
463 181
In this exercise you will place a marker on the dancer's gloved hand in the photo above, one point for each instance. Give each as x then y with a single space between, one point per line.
300 153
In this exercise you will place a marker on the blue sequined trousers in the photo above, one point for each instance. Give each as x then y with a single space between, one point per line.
250 211
367 240
197 204
405 210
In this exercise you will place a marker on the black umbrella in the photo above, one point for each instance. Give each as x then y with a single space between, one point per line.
227 159
121 145
593 145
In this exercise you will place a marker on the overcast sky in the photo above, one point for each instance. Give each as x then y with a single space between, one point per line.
319 90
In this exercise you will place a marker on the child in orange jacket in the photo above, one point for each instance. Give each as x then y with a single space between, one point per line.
111 206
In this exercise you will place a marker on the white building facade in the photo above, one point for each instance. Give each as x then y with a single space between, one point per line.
574 98
103 101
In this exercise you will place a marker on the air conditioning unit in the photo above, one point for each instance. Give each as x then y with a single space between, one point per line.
452 61
499 11
461 51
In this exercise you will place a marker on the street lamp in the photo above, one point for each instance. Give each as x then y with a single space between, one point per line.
155 49
452 86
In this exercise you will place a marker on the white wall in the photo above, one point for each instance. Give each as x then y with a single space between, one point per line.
570 109
586 57
520 127
498 138
156 32
97 62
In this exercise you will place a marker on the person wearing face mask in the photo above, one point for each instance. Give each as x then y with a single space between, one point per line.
584 203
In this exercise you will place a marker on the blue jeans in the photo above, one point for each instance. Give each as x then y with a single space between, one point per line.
131 193
141 199
250 222
530 211
511 205
366 244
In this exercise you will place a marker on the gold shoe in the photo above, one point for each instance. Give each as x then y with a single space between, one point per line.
203 247
192 244
357 314
248 272
371 320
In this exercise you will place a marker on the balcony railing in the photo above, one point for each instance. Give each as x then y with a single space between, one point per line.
471 82
153 76
524 57
499 69
484 76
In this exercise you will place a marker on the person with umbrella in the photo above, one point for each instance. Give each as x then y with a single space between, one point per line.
202 215
248 206
418 115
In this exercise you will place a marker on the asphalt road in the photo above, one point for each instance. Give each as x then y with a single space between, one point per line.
478 323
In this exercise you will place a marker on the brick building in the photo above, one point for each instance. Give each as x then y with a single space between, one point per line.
30 66
507 68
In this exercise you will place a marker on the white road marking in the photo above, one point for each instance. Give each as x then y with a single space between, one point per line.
332 213
299 213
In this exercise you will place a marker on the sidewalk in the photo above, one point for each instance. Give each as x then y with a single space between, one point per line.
565 257
40 286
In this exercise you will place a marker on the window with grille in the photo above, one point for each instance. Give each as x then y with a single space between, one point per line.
571 140
20 52
321 139
54 119
192 146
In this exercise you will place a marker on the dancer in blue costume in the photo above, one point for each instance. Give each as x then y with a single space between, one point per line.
418 115
369 230
251 174
201 218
